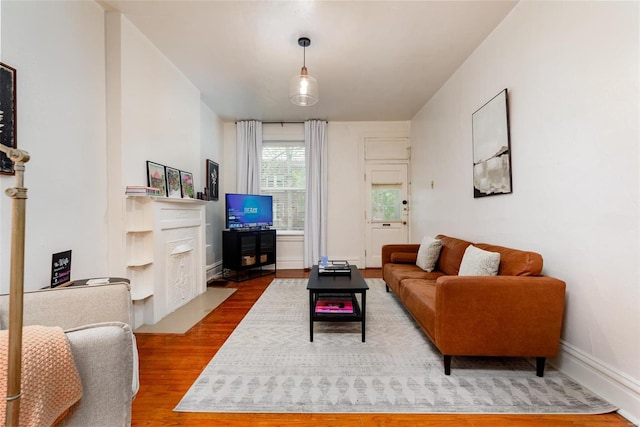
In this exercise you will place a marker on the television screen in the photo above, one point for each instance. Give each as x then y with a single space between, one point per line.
248 210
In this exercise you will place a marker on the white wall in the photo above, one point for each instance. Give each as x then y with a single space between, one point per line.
211 141
345 222
572 70
160 111
83 154
153 114
58 51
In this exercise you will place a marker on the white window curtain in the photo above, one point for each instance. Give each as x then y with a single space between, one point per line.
315 221
248 156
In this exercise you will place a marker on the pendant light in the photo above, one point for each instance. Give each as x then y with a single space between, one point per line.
303 89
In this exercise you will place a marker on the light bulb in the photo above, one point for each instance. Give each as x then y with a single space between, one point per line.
304 86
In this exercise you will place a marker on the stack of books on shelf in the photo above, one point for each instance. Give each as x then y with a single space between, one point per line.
335 305
334 267
136 190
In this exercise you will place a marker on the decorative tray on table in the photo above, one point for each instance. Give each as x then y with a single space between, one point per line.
334 268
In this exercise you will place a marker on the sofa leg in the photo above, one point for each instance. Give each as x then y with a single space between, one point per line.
386 286
540 366
447 365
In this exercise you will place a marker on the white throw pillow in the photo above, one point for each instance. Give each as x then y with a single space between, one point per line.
428 253
478 262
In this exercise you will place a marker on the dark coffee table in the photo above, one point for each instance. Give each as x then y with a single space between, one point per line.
340 285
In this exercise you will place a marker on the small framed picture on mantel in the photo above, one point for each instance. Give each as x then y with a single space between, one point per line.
186 182
156 177
174 189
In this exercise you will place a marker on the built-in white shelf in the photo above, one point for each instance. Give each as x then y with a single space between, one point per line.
157 229
141 295
140 263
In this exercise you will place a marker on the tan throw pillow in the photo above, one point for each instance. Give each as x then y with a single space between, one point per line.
478 262
428 253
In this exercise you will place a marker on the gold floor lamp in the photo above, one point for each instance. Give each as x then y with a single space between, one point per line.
16 287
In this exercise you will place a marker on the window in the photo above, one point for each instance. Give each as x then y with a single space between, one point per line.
386 202
284 177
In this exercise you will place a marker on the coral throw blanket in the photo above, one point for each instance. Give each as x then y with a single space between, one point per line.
50 379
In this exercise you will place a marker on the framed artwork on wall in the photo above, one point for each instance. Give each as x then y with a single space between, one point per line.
186 183
7 115
492 148
174 189
156 177
213 174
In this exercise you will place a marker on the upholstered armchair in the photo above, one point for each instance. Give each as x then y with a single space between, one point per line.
96 320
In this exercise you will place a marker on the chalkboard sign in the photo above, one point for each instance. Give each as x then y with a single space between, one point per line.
60 268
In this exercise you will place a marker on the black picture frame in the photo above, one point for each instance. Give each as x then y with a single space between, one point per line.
186 183
213 179
8 113
156 177
492 148
174 185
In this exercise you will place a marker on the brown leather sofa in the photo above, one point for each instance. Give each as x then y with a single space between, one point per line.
517 313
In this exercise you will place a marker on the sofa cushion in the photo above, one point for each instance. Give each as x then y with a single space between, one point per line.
393 274
403 257
428 253
514 262
419 297
478 262
451 254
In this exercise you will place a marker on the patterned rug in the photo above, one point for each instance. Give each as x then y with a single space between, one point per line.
269 365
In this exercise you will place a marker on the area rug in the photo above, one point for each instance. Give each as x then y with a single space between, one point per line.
269 365
185 317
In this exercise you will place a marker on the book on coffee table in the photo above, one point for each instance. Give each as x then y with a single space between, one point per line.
334 306
334 267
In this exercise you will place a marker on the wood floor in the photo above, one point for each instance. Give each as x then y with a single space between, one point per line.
169 364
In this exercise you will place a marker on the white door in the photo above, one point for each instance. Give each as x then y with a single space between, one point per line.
387 208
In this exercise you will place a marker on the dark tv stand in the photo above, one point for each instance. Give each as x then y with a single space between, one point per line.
246 252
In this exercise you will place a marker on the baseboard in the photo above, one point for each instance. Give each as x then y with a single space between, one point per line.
289 263
618 388
296 263
214 270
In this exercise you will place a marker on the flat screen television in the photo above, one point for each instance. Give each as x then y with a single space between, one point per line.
248 211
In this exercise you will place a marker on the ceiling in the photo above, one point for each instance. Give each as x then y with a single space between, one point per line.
374 60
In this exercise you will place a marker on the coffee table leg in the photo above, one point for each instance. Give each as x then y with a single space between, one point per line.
364 311
311 316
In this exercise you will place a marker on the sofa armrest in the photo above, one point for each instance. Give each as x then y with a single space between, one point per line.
104 356
405 252
499 315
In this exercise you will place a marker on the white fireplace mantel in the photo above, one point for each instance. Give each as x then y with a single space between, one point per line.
165 254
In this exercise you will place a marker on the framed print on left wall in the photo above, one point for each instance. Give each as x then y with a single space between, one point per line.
7 115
